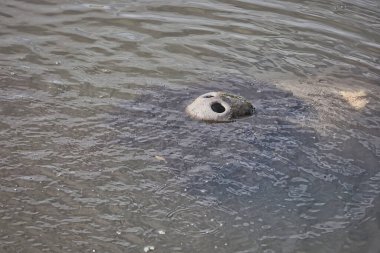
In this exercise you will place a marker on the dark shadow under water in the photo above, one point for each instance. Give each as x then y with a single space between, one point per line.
87 168
275 175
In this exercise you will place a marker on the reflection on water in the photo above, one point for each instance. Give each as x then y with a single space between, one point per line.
96 154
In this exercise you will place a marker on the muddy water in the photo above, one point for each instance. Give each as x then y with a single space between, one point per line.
96 154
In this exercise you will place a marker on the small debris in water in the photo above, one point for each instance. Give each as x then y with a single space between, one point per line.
160 158
357 99
148 248
161 232
107 71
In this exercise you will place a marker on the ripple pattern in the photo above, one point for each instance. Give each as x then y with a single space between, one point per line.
96 154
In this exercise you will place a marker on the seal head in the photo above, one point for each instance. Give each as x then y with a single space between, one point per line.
219 107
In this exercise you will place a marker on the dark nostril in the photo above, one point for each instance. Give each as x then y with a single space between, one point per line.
208 96
218 108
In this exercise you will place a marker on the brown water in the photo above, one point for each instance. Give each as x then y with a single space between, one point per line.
96 154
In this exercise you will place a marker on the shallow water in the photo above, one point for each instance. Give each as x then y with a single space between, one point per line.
96 154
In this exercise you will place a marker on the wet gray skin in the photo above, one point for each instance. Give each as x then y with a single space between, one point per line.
241 107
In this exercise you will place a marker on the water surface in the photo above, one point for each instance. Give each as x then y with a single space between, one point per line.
96 154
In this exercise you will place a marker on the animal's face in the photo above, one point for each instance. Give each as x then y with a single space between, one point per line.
219 107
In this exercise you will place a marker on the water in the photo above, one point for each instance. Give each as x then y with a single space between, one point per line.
96 154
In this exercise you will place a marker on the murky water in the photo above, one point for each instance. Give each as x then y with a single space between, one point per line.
96 154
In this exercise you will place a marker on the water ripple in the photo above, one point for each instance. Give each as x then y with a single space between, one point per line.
98 156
